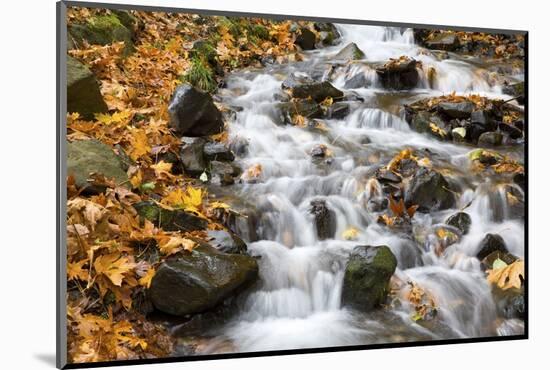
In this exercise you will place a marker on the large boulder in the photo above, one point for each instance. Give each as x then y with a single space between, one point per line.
350 52
305 39
170 220
83 94
398 74
367 276
430 191
318 91
193 112
324 219
198 281
87 157
491 243
102 30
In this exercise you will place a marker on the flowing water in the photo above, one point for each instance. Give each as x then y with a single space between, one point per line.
297 303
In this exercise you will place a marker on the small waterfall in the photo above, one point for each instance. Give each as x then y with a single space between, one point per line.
297 302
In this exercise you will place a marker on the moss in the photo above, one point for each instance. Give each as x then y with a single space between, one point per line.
200 75
102 30
259 31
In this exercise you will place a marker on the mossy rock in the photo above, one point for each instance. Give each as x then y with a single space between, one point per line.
86 157
83 94
367 277
102 30
350 52
170 220
201 280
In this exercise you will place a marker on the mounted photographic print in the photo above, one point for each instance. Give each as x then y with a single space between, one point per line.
236 185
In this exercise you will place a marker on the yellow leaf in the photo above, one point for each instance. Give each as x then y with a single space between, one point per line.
350 234
219 205
508 277
139 144
118 117
175 244
113 266
190 199
146 279
162 168
75 270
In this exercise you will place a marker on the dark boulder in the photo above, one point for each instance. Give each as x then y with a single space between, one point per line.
305 108
367 277
226 242
399 74
491 243
324 219
83 94
215 151
483 118
192 155
460 220
488 139
511 130
430 191
350 52
318 91
87 157
305 39
198 281
456 110
170 220
193 112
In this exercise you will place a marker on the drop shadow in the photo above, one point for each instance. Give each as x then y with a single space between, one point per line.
46 358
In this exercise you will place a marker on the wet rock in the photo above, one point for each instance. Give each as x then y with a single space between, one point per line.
338 110
87 157
193 113
170 220
305 39
487 262
223 173
421 121
516 90
328 33
296 79
488 139
459 134
367 277
430 191
357 81
456 110
101 30
398 74
511 305
319 151
460 220
378 204
318 91
443 41
512 131
324 219
215 151
482 118
491 243
407 167
350 52
305 108
83 94
198 281
226 242
519 179
192 155
384 175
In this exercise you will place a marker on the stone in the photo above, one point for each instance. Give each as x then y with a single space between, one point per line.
460 220
398 74
350 52
305 39
192 155
201 280
216 151
83 93
102 30
170 220
488 139
367 275
193 113
430 191
456 110
443 41
226 242
86 157
318 91
491 243
324 219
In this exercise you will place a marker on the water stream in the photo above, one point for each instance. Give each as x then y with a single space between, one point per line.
297 303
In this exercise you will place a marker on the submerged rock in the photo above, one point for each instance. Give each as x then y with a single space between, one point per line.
324 219
350 52
193 112
367 276
430 191
491 243
198 281
460 220
87 157
83 94
170 220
